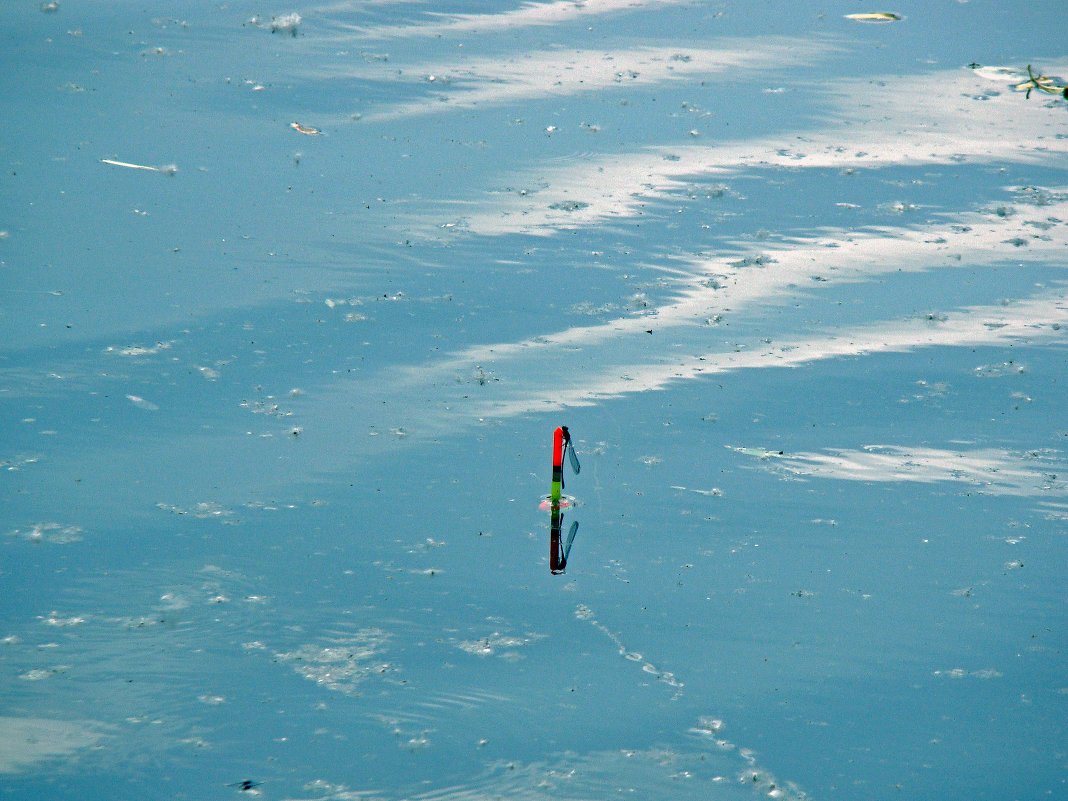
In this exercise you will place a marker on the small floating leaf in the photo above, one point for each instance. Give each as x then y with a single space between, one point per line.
878 16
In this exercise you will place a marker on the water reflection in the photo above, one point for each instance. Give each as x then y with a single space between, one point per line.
559 551
558 554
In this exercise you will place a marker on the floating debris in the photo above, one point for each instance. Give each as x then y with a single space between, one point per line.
961 673
296 126
760 453
1042 83
53 619
569 205
715 492
50 532
139 350
995 73
18 462
141 403
204 510
286 22
489 646
166 169
878 16
341 665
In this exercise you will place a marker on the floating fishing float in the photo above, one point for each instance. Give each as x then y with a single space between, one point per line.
561 444
559 549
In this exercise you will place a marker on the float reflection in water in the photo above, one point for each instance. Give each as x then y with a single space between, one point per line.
558 553
556 501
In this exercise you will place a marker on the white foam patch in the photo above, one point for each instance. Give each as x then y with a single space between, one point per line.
341 664
56 533
488 81
558 12
968 119
993 471
626 361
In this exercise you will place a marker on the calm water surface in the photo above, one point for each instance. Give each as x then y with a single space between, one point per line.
292 299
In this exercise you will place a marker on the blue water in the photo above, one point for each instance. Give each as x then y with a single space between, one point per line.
277 407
